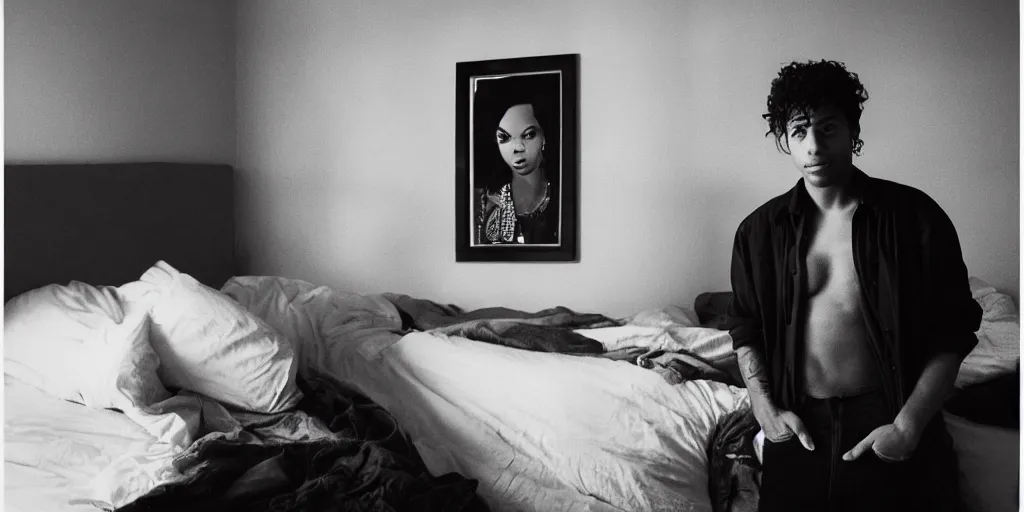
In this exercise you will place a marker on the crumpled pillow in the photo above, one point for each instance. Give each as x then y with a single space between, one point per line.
77 343
52 335
125 374
998 350
209 344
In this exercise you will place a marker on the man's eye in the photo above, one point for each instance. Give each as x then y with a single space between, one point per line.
503 137
798 133
829 128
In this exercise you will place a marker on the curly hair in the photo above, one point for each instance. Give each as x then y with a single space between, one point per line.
806 86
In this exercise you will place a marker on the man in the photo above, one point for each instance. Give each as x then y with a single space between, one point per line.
851 313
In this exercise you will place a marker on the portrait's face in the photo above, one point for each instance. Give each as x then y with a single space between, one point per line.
520 139
821 145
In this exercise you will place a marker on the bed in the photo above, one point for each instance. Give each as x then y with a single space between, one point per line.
557 430
213 390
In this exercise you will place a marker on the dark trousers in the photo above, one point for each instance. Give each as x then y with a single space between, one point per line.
794 478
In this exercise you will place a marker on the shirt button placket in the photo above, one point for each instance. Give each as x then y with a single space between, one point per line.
886 332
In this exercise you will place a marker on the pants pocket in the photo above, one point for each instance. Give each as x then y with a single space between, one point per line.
773 450
889 460
785 438
793 477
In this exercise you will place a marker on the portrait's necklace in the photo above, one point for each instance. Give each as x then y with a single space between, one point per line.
537 210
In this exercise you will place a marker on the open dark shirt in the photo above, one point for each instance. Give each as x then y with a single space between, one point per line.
915 294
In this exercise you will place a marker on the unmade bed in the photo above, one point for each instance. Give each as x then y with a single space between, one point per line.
143 373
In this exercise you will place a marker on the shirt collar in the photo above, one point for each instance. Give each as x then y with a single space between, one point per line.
799 199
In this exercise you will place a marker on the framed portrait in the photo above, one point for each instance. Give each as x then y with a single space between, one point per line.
516 159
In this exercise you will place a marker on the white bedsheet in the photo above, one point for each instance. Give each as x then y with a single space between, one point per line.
61 456
539 431
549 432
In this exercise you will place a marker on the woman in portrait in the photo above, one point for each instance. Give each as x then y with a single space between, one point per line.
516 160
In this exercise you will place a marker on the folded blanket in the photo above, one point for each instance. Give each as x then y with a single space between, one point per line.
337 451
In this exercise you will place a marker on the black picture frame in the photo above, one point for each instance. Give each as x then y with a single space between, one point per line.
549 232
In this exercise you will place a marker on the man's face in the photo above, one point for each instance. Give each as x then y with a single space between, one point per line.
821 145
520 139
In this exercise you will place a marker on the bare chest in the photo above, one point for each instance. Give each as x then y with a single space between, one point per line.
837 359
830 268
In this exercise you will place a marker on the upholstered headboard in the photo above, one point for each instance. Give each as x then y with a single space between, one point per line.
105 224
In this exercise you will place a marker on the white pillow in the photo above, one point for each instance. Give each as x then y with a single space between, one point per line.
52 333
211 345
124 375
998 349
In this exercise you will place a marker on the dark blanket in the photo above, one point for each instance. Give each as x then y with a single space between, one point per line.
338 451
552 330
549 330
734 473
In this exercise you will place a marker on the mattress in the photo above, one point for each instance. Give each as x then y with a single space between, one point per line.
61 456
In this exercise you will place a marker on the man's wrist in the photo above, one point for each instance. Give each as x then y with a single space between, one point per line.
906 423
763 409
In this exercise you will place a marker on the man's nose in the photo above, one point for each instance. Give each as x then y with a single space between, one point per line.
814 143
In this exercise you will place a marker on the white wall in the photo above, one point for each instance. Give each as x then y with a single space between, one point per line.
119 80
346 135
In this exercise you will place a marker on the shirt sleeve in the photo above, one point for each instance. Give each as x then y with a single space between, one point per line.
953 316
743 318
